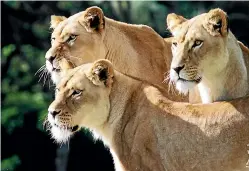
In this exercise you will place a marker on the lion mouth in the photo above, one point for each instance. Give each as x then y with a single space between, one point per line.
198 80
52 68
64 127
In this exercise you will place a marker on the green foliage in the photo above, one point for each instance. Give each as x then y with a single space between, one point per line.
22 91
14 4
186 9
6 51
149 13
10 164
65 5
40 30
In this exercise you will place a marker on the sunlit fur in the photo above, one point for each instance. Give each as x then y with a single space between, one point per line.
147 132
59 134
215 66
136 50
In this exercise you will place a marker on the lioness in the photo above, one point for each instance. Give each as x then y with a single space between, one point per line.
136 50
124 113
206 54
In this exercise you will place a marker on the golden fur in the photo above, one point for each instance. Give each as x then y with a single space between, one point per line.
135 50
146 131
207 56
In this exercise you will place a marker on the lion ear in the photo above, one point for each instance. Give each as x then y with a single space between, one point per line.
173 21
93 19
216 22
55 20
101 73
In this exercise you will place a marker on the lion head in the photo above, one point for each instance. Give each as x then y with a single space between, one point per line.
74 37
82 99
204 53
135 50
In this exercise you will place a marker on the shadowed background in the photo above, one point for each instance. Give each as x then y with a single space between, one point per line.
25 38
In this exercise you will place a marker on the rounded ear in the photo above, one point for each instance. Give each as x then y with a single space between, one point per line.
173 21
101 73
55 20
93 19
216 22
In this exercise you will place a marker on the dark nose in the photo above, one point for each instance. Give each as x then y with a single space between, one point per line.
178 69
51 58
54 112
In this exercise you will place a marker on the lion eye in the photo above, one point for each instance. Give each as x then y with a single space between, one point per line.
76 92
71 38
174 43
197 43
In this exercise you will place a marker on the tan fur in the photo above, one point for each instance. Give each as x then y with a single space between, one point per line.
55 20
136 50
245 52
146 131
210 55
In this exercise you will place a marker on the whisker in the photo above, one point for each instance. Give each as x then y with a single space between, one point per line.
174 89
46 125
170 83
41 75
171 89
40 69
169 86
166 76
49 83
45 78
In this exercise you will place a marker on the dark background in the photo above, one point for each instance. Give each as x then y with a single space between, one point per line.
25 37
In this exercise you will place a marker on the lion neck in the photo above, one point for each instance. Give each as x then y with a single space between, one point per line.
126 96
122 89
231 81
138 51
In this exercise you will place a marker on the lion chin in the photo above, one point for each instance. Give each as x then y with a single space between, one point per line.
61 135
56 77
184 86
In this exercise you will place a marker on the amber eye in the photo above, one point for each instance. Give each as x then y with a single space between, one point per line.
197 43
174 43
76 92
72 38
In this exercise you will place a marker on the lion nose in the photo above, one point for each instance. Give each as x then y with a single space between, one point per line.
50 59
178 69
54 112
